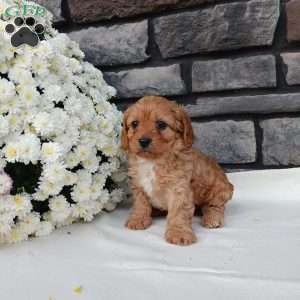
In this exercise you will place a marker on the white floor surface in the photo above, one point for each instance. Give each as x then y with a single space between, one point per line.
255 256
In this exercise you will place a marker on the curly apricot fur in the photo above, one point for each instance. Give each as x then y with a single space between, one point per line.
170 174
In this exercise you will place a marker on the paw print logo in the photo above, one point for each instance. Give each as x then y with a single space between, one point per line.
25 31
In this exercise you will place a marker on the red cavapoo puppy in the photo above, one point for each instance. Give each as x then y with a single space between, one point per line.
167 173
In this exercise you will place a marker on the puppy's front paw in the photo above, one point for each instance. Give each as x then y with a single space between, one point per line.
212 220
138 223
180 237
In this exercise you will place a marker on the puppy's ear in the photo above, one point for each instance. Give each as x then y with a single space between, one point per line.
185 126
124 134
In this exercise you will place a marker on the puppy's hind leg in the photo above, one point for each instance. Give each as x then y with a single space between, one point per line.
213 211
140 217
213 216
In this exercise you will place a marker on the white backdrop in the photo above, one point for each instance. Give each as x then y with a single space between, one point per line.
256 255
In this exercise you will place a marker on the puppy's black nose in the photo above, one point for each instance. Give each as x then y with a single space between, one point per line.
145 142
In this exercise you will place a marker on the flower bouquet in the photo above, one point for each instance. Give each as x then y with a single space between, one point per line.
59 136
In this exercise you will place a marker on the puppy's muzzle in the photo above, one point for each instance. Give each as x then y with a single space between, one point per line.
145 142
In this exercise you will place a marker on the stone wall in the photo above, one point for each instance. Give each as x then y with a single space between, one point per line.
234 64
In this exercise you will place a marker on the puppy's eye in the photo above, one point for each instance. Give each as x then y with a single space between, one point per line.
135 124
161 125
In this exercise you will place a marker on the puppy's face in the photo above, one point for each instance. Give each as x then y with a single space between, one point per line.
155 126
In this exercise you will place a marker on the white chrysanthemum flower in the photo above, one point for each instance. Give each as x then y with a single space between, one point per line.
20 76
85 177
4 126
17 234
70 178
74 105
99 180
51 152
109 167
71 135
44 228
6 223
29 95
50 188
55 172
84 152
14 105
6 204
54 93
81 192
119 176
104 197
72 159
40 196
96 191
105 124
7 90
110 150
27 115
110 206
60 209
91 163
16 122
6 50
116 196
40 67
21 204
4 68
24 61
43 123
86 210
43 51
30 223
58 217
11 152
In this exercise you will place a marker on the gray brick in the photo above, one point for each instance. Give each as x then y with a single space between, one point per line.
293 20
147 81
281 141
85 11
228 74
114 45
225 26
259 104
230 142
292 64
